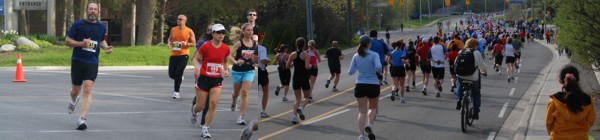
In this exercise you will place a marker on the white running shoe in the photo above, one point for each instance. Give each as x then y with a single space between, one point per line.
72 105
361 137
205 133
176 95
241 121
81 125
402 100
295 119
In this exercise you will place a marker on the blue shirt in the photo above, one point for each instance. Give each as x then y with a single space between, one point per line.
380 48
200 43
82 29
397 56
367 67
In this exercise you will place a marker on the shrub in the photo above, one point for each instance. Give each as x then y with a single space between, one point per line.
22 48
2 42
48 38
9 35
42 43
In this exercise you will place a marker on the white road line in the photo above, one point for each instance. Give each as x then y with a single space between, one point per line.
491 136
92 130
125 75
501 115
512 91
516 80
328 116
110 113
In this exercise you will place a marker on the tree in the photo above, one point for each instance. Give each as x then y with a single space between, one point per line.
146 21
578 29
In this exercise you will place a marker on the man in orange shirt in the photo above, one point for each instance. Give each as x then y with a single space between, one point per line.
180 40
455 41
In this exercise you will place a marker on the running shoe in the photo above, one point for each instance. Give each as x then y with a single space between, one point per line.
284 99
247 133
393 97
334 90
361 137
424 91
233 106
407 89
310 99
452 89
327 84
438 95
300 113
369 130
176 95
240 121
72 105
81 125
277 90
194 116
295 119
264 115
402 100
205 133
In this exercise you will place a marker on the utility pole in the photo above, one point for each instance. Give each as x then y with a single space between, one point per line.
309 27
349 18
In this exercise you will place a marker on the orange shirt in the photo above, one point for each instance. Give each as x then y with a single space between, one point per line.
179 37
563 124
458 44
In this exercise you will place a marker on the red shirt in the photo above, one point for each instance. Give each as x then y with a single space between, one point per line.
498 48
522 34
423 52
212 59
452 56
503 39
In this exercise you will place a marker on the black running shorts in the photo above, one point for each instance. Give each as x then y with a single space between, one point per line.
263 77
206 83
398 71
438 73
81 71
368 90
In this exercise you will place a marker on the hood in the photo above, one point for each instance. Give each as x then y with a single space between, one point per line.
563 111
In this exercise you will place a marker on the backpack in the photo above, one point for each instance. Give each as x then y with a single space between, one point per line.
465 63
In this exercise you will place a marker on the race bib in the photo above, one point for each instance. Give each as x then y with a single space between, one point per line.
247 54
91 47
177 46
213 69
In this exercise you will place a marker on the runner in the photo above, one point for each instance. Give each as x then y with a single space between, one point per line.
334 56
509 52
450 58
437 55
252 16
397 71
313 58
179 41
210 75
367 89
242 72
518 45
380 48
86 37
470 66
498 55
411 64
570 113
300 61
284 73
204 39
425 65
263 78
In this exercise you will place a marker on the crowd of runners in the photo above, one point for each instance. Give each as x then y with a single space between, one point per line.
463 51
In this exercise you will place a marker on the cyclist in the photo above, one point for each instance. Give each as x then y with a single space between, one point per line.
477 63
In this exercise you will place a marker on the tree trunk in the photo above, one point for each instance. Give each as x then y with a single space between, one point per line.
133 23
83 6
161 22
69 13
146 18
23 28
61 8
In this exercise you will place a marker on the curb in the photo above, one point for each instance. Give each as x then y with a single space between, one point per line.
518 131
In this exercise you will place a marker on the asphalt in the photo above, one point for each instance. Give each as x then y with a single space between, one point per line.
126 105
333 114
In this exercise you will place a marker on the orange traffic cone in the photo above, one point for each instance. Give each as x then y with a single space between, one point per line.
19 77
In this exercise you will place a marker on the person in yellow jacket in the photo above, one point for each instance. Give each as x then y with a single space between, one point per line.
570 113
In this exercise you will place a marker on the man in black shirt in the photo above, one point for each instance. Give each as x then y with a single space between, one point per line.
334 55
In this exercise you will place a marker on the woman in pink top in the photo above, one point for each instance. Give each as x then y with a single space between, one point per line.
315 58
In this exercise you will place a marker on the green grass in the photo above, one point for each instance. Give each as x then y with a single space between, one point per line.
416 23
121 56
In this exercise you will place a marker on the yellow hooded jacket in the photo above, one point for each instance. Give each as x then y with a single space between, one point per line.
563 124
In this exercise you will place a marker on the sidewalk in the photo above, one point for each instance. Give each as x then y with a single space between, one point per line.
527 120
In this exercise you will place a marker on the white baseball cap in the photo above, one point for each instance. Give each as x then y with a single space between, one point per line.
218 27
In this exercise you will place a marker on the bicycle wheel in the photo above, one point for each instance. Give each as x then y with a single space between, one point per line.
470 113
464 114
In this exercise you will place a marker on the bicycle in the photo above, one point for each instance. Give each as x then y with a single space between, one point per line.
466 111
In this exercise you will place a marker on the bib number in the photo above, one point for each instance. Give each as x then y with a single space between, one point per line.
177 46
247 54
213 69
92 47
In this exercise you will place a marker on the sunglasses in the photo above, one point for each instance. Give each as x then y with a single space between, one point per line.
251 14
179 19
221 32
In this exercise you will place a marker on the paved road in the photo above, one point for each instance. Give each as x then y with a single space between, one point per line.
126 105
333 115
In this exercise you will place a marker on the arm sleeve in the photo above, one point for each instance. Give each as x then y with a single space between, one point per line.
479 60
377 62
352 68
591 117
549 118
262 54
72 31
